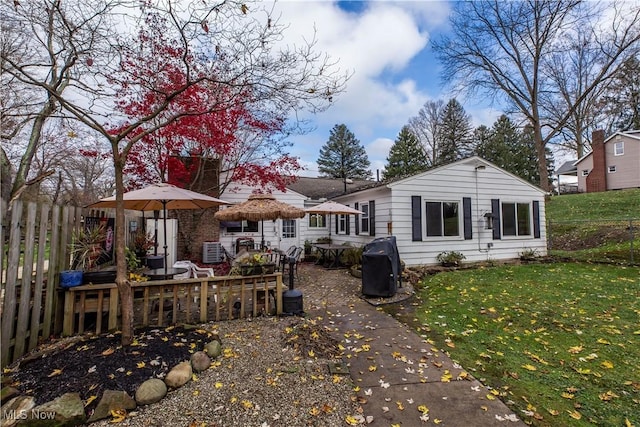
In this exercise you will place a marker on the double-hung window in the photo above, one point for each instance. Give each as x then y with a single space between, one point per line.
317 221
364 218
342 223
618 148
443 219
516 219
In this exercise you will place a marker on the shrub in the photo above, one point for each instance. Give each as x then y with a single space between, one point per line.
450 257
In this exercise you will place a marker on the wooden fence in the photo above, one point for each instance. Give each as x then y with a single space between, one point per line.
35 238
89 308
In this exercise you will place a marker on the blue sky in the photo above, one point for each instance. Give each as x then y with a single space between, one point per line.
386 46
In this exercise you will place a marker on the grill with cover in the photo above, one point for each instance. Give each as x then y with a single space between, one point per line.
381 269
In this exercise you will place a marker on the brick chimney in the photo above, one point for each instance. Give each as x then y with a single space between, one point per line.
597 178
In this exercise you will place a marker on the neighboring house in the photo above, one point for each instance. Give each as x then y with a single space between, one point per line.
470 206
612 164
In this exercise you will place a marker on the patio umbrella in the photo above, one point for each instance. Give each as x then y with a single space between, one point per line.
161 196
332 208
258 208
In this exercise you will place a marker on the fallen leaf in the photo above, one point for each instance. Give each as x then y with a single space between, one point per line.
55 372
108 351
90 399
575 415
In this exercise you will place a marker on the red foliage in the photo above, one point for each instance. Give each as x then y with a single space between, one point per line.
173 90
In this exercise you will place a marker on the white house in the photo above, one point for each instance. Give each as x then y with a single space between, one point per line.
470 206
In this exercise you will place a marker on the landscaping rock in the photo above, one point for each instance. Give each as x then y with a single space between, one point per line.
112 400
179 375
151 391
200 361
7 393
213 349
17 409
67 410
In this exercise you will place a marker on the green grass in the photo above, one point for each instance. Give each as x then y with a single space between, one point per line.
595 226
556 341
622 204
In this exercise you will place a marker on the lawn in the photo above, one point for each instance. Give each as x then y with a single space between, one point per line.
559 343
607 205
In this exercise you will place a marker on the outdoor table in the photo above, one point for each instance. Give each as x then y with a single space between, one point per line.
163 274
335 250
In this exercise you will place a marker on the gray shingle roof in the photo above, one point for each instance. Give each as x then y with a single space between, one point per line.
328 188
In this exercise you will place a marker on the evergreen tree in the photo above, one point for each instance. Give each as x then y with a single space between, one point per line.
406 156
343 156
455 133
510 148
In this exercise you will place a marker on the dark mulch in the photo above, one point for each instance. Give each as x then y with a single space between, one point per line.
91 365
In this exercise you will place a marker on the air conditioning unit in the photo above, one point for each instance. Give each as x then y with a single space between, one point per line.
212 253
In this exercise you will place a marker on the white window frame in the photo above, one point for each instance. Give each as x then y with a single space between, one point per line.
618 148
364 217
442 218
517 207
318 216
342 223
585 172
289 228
611 169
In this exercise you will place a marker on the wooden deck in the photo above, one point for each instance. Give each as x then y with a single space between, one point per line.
164 302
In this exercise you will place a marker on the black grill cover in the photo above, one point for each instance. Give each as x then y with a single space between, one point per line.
381 270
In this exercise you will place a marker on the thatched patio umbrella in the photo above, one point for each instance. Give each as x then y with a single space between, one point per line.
258 208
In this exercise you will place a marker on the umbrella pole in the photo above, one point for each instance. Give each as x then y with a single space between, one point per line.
164 223
262 242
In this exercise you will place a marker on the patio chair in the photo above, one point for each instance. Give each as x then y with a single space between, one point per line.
193 271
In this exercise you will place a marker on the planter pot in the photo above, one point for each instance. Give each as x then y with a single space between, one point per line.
98 277
268 268
71 278
248 269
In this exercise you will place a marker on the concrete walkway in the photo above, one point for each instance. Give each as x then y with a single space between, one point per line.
403 380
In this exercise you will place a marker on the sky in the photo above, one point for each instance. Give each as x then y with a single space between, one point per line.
385 44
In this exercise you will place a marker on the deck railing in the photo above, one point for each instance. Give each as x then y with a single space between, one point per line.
163 302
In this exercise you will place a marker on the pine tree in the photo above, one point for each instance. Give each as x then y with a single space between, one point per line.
406 156
455 133
511 148
343 156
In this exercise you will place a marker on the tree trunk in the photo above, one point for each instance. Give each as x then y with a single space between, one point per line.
34 142
122 281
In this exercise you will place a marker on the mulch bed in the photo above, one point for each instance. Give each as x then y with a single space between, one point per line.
92 364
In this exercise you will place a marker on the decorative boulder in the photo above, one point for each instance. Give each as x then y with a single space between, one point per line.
66 410
213 349
179 375
151 391
112 400
200 361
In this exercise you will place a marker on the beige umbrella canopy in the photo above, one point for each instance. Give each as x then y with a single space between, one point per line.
332 208
161 196
258 208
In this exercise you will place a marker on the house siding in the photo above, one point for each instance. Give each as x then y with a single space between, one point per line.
627 174
454 183
586 164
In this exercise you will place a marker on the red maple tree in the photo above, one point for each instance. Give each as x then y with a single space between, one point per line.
212 121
